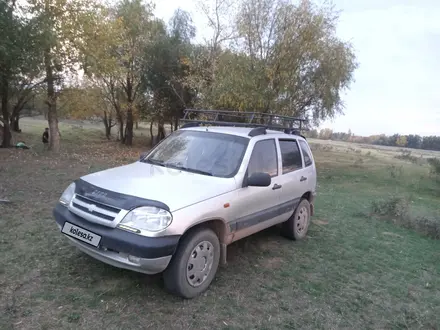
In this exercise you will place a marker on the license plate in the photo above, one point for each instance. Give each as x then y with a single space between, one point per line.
81 234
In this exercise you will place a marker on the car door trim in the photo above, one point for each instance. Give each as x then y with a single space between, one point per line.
263 215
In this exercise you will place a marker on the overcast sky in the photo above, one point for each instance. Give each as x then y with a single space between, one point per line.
397 43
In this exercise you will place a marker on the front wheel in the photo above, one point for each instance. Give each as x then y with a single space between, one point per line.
194 264
298 224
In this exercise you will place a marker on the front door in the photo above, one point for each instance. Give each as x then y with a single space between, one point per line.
257 207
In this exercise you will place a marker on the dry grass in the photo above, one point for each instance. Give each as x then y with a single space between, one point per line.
352 272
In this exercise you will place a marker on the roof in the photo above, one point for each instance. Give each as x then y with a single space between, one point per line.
238 131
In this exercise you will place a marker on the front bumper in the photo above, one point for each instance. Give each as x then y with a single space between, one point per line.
119 248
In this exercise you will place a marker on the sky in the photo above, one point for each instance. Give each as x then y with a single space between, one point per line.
397 44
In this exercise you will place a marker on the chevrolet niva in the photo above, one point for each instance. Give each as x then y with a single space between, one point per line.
178 207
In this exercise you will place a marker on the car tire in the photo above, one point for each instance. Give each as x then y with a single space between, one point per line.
298 224
194 265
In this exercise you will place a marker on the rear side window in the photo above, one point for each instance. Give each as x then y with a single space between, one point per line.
264 158
306 153
290 155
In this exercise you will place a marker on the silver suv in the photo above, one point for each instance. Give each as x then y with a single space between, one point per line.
178 208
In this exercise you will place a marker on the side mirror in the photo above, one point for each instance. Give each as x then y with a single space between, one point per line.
259 179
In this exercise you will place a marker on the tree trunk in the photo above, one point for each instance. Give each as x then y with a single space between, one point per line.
129 127
52 117
121 130
151 133
137 125
176 122
108 125
15 127
6 143
160 131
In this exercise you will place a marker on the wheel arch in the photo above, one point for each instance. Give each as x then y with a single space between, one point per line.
220 228
217 225
310 197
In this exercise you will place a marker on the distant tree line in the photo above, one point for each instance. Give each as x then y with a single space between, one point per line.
396 140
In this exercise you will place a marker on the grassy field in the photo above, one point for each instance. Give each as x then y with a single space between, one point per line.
361 267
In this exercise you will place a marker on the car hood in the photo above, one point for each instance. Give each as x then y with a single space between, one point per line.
175 188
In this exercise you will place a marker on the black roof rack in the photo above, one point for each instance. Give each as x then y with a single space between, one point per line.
259 121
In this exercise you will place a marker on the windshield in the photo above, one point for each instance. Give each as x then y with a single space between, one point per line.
201 152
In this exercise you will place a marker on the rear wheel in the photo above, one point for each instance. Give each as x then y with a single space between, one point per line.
298 224
194 265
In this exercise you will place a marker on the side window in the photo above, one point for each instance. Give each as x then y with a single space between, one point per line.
264 158
290 155
306 153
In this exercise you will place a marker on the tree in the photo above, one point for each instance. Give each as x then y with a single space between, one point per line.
63 25
219 14
16 52
312 134
166 69
23 90
401 141
204 60
301 64
325 134
414 141
85 101
138 28
117 62
286 59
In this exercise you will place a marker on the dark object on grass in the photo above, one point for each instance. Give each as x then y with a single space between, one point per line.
5 201
21 145
45 137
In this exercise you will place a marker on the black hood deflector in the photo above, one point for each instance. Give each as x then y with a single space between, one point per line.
112 198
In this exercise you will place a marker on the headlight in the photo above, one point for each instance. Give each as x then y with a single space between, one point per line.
67 195
147 218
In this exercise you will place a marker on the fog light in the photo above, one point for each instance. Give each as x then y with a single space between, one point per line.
133 259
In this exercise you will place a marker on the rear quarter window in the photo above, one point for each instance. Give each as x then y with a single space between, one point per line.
306 153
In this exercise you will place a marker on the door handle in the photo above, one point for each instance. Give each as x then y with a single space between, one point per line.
303 178
276 186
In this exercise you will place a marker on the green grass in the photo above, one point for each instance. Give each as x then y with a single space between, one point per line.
354 271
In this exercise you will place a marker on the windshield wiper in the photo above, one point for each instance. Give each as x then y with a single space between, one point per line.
154 162
196 171
193 170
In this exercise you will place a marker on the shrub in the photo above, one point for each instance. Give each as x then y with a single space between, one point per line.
428 226
395 171
435 165
394 207
406 155
398 210
358 162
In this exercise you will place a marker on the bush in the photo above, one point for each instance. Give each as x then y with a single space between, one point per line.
358 162
398 210
428 226
406 155
394 207
435 165
395 172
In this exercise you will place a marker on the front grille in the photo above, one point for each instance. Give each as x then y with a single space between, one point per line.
95 209
102 206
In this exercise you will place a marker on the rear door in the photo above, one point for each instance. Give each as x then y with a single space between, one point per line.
293 176
309 166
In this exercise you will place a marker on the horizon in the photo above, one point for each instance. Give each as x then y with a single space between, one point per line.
404 53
